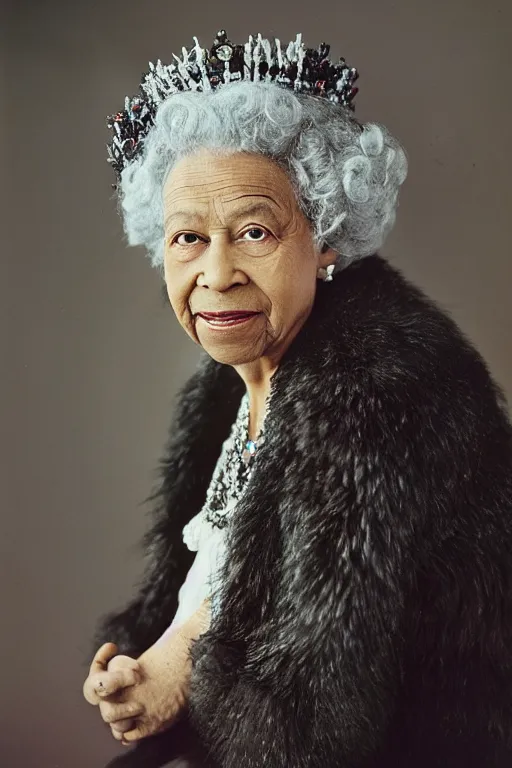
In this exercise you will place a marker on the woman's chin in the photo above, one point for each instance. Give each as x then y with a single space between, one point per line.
231 357
230 350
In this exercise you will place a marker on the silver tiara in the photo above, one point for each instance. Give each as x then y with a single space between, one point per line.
302 69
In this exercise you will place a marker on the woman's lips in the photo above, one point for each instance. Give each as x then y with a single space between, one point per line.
226 319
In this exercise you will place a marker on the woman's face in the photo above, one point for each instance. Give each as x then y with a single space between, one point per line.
237 242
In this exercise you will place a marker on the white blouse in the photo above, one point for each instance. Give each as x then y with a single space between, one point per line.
207 539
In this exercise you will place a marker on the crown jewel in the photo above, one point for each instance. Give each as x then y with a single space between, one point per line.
297 67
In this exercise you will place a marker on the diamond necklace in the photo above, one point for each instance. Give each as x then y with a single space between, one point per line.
233 469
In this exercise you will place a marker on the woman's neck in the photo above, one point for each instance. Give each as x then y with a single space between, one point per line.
257 411
257 381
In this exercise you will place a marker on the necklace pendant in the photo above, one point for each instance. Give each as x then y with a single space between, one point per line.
249 451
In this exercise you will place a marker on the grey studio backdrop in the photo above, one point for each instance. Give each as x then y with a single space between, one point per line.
92 358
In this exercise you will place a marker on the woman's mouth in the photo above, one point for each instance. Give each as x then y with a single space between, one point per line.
226 319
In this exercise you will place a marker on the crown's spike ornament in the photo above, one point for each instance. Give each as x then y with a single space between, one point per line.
299 68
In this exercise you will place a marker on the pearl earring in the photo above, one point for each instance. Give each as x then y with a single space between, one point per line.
326 274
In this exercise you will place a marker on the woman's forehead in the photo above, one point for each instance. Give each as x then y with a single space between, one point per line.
209 172
232 184
228 209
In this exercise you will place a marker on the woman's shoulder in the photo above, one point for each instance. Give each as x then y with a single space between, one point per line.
375 296
390 318
384 334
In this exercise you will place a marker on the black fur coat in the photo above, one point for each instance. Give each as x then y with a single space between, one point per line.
367 607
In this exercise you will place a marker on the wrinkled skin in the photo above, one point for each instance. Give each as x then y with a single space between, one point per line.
237 239
144 696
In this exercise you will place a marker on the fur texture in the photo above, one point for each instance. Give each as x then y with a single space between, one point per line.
367 601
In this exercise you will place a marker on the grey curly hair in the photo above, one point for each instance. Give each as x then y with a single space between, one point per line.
346 175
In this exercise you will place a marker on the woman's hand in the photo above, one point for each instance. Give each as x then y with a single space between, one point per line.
139 698
109 676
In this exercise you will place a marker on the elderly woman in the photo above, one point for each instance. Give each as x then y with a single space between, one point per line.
339 466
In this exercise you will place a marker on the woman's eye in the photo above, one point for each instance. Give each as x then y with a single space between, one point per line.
256 234
186 238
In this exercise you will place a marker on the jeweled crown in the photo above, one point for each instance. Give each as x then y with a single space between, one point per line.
297 67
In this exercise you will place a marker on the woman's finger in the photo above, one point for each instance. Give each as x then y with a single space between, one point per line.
123 662
93 685
128 724
120 727
102 657
113 712
143 729
118 735
100 685
140 732
108 683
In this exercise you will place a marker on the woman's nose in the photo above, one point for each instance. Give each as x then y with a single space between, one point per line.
219 270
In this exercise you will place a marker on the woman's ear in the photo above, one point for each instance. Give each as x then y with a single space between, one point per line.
326 256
